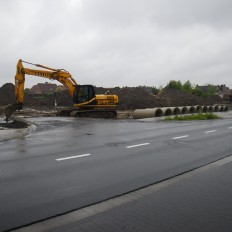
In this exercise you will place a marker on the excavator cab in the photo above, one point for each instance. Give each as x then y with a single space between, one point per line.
83 94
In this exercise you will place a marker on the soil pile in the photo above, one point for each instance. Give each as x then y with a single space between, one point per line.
175 97
130 98
7 94
16 124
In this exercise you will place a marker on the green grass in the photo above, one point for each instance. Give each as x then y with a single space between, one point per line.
206 116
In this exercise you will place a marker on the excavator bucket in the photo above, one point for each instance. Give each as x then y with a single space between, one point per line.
10 109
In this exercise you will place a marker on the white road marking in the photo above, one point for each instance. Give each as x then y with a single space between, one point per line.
72 157
138 145
180 137
207 132
230 127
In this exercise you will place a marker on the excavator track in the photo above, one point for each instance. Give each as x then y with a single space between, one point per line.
95 113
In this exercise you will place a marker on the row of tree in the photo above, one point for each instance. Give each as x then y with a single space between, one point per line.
191 88
185 87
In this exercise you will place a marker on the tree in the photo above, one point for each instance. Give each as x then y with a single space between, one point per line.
187 86
175 84
211 90
154 90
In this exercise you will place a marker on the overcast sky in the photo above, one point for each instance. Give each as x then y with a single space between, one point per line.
119 42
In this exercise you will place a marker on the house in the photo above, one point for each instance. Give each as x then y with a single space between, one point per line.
206 89
61 88
224 89
43 88
225 93
221 90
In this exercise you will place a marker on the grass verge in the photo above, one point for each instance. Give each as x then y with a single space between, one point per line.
206 116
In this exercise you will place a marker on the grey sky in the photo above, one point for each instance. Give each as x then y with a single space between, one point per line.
119 42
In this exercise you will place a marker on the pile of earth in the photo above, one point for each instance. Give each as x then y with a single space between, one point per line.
16 124
130 98
7 94
175 97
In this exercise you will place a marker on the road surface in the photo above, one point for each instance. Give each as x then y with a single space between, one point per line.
66 164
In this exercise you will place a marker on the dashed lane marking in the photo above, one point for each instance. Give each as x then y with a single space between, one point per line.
212 131
138 145
230 127
72 157
180 137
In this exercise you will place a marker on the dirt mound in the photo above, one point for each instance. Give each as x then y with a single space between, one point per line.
130 98
16 124
175 97
7 94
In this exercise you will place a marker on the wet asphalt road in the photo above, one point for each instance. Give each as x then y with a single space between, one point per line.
65 164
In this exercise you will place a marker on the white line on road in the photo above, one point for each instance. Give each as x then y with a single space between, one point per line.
207 132
180 137
138 145
230 127
72 157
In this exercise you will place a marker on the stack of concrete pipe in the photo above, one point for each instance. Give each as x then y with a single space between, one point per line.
168 111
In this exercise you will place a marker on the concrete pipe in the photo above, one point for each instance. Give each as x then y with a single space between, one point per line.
204 109
210 108
166 111
191 109
221 108
147 113
183 109
198 109
216 108
226 108
175 110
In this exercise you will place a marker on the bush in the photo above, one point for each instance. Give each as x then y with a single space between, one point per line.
207 116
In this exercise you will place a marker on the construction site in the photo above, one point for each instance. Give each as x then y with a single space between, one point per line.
95 132
130 99
75 100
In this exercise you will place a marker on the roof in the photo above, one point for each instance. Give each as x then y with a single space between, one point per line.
43 88
61 88
207 88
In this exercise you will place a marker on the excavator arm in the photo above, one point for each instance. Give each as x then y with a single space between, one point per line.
60 75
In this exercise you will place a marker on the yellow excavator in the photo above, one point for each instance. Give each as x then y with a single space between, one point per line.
86 103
